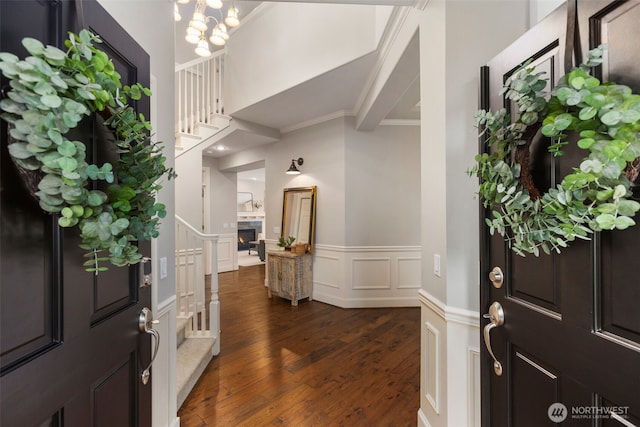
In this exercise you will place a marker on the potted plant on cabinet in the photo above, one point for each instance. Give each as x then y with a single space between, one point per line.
286 243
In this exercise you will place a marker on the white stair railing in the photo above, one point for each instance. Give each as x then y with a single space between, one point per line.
194 252
199 92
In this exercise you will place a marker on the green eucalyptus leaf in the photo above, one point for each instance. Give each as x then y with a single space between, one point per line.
623 222
611 118
629 116
587 113
51 101
8 57
10 106
67 163
33 46
9 69
606 221
67 148
96 198
19 150
54 54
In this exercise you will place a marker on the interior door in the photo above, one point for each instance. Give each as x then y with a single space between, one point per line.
569 347
71 350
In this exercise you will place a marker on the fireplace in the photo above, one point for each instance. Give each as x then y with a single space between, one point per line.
245 235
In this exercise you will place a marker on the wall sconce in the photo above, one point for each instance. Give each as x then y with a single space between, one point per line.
293 170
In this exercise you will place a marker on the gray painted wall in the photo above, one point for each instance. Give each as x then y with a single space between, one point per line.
383 186
151 24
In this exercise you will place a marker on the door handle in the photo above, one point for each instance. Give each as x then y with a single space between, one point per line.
496 318
145 325
496 277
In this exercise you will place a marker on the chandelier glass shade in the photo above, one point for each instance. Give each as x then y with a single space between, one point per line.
196 32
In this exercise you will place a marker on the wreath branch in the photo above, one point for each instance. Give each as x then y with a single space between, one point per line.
522 156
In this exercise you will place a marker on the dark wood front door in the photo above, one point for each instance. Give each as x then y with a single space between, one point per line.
571 332
71 352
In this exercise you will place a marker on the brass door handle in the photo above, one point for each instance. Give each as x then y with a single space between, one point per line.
496 318
145 323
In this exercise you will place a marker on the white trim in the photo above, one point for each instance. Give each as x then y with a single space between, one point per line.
347 249
197 61
166 305
318 120
385 302
448 313
394 26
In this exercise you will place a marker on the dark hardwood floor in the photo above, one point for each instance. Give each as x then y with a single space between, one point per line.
311 365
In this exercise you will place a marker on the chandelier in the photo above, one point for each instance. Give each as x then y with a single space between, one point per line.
197 29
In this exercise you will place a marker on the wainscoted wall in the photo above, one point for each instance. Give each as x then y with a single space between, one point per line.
164 366
450 365
367 276
227 252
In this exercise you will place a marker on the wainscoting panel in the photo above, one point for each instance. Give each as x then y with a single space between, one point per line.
326 271
164 373
473 386
367 276
370 273
408 269
432 367
450 346
227 252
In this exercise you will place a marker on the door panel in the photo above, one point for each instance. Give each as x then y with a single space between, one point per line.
71 350
572 328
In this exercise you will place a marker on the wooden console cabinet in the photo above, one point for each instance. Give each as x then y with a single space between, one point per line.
290 275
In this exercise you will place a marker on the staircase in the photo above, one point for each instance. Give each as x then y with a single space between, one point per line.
197 323
199 102
200 122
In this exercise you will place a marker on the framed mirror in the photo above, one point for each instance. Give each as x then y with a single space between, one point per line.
299 214
245 202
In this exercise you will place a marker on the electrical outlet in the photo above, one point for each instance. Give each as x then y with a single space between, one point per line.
225 225
276 230
436 264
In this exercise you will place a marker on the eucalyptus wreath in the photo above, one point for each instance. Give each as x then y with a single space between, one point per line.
51 92
597 195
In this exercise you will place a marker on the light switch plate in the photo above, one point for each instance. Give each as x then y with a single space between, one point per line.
163 267
436 264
